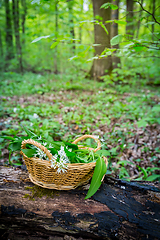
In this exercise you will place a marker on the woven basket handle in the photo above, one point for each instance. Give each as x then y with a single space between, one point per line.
44 149
88 136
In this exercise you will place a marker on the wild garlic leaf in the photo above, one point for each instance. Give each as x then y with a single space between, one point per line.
99 171
29 133
53 151
15 146
71 145
29 152
9 138
81 160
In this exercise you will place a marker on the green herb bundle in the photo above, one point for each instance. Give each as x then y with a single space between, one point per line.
63 153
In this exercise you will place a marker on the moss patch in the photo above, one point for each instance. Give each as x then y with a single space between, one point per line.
39 192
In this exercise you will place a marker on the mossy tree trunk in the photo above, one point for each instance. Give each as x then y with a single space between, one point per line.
15 11
9 32
119 210
101 66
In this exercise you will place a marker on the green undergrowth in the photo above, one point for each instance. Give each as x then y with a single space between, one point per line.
29 83
125 116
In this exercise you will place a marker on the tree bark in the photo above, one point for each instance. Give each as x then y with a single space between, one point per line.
56 36
153 12
80 28
15 9
114 32
101 65
119 210
9 34
71 23
1 45
129 18
2 62
24 12
139 22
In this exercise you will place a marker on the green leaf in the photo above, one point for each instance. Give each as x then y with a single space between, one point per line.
29 152
142 123
144 171
149 23
103 26
70 145
138 47
120 22
14 160
9 138
57 144
156 108
9 159
104 153
82 160
39 38
153 177
54 45
111 5
53 151
15 146
72 58
17 164
99 171
109 21
29 133
116 40
124 162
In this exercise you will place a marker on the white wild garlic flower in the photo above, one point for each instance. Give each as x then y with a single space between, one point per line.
53 161
40 154
39 138
50 145
69 149
61 165
35 115
58 161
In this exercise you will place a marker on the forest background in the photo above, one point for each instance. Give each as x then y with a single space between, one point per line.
74 67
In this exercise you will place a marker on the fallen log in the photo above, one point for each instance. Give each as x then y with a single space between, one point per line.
119 210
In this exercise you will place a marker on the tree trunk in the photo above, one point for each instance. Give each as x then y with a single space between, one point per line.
129 18
56 36
80 28
139 22
2 62
71 23
114 32
24 12
153 12
1 45
118 211
15 9
9 36
101 65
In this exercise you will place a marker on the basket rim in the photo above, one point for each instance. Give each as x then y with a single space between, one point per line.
69 165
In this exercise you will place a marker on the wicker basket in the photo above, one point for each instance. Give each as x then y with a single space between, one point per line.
41 173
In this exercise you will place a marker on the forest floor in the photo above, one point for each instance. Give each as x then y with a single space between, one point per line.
125 118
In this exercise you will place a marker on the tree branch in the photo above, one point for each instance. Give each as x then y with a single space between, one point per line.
152 14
